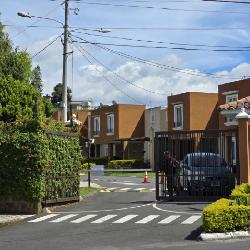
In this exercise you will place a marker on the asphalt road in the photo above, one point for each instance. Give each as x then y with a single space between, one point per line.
115 220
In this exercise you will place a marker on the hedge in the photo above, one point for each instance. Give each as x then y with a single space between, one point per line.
26 158
127 164
241 194
224 216
97 160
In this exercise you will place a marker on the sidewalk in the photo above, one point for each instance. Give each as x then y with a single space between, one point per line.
6 219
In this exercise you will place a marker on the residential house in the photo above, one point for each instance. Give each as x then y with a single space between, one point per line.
192 111
118 131
155 120
232 96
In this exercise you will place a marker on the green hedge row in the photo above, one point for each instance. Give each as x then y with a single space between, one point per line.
224 216
26 158
241 194
97 160
127 164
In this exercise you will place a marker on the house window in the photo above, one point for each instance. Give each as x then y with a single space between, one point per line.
153 116
178 116
97 125
110 124
231 98
234 148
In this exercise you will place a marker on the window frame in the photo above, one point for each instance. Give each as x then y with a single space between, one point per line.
232 96
97 129
110 124
176 125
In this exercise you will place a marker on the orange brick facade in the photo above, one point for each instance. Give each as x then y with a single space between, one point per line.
199 110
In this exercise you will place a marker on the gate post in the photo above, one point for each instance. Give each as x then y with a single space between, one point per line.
243 118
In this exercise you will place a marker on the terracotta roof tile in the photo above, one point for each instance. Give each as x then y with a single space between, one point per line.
242 103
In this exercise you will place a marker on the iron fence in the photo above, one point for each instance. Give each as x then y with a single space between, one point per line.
196 163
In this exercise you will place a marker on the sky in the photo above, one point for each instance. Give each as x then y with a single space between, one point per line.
177 46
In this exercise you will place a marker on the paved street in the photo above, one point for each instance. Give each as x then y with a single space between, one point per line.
114 220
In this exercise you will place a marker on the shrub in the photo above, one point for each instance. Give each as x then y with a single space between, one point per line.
97 160
241 194
85 166
223 216
26 158
127 164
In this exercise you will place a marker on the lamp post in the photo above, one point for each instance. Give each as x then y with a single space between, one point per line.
65 51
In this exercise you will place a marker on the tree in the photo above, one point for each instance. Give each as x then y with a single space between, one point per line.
36 78
13 62
57 95
19 101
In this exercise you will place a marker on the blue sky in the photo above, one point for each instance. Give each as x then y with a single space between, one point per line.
92 80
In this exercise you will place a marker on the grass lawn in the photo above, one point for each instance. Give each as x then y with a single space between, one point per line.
86 190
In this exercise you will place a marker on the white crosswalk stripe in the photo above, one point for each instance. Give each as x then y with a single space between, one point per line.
139 189
124 189
43 218
183 219
169 219
125 218
147 219
66 217
113 188
105 218
84 218
191 219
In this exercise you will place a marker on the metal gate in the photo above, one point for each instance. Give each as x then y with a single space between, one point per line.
198 164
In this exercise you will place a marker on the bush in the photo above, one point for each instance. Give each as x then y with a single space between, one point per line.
26 158
127 164
241 194
85 166
97 160
223 216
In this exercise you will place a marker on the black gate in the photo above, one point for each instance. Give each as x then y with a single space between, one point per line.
196 163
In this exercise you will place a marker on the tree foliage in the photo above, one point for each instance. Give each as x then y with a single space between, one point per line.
57 95
13 62
19 101
36 78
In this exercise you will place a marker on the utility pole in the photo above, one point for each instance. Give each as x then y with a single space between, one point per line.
65 57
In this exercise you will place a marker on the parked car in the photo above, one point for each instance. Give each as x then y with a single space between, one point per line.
205 171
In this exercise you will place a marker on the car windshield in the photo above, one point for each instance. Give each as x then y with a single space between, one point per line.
206 161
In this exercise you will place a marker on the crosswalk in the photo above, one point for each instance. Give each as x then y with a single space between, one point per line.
76 218
122 190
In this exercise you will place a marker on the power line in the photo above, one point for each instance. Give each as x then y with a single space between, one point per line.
134 100
164 47
227 1
163 28
167 8
122 78
44 48
164 66
163 42
31 26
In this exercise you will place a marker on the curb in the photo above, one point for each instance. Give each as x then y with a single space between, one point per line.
224 236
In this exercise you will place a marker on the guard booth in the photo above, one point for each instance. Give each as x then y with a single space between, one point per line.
202 164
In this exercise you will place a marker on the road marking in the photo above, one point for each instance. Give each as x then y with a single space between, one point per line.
43 218
169 219
105 218
152 189
65 217
139 189
126 183
113 188
84 218
123 190
126 218
191 219
147 219
174 212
